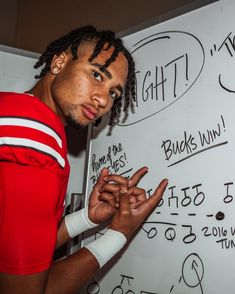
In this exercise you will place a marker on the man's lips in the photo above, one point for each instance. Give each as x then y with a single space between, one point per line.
89 112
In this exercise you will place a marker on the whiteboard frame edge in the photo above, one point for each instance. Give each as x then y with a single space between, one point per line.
86 173
21 52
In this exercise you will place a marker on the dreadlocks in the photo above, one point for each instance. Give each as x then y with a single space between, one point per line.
73 40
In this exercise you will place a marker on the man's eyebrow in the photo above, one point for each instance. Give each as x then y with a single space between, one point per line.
108 74
104 70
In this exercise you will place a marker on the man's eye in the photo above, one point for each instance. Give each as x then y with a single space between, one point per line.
113 94
97 76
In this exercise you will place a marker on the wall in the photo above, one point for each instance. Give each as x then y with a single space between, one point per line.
31 25
8 21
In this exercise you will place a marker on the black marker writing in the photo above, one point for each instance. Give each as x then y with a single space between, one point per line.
193 144
115 159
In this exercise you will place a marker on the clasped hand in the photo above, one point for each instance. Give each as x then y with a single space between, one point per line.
120 198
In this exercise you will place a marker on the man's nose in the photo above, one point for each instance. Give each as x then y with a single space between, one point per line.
101 97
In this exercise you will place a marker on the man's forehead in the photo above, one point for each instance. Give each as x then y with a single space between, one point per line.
87 48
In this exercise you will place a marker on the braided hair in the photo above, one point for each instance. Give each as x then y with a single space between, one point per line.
72 40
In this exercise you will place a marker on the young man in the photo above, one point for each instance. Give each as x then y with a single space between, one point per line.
86 73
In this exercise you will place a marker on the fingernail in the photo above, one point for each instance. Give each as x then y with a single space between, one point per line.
166 183
123 190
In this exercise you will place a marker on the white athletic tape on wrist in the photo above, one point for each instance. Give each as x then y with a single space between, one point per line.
106 246
78 222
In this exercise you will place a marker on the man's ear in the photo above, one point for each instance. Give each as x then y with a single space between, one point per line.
58 62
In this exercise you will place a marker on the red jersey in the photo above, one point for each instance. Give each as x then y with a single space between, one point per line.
34 173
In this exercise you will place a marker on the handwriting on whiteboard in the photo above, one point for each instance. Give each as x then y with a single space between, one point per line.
191 276
193 144
115 159
227 48
178 202
164 79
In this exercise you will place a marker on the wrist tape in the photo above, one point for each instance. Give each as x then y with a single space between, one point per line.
78 222
106 246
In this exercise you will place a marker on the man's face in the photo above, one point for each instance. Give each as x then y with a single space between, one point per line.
81 91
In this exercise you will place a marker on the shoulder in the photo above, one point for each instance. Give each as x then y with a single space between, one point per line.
28 107
30 129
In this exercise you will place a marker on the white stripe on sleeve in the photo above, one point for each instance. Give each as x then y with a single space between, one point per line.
22 142
22 122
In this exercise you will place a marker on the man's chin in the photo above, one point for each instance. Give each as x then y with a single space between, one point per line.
74 123
70 121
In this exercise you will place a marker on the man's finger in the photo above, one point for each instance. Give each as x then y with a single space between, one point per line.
117 179
112 188
100 182
137 176
137 195
106 197
158 193
124 205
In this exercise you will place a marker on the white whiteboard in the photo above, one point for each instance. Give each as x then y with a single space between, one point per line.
16 69
183 129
